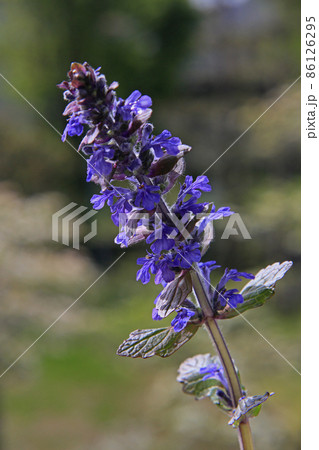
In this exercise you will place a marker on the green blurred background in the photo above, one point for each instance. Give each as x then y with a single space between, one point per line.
212 67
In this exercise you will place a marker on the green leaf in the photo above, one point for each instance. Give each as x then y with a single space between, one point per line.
249 406
156 341
174 294
258 290
193 383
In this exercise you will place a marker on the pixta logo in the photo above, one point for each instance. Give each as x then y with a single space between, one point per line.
140 224
74 233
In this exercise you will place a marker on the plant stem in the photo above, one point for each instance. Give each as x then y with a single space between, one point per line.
244 433
245 438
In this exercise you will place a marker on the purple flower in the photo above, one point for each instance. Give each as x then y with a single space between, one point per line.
122 205
74 127
122 239
149 266
163 242
187 254
134 104
147 196
214 371
106 196
181 208
231 297
194 188
161 265
155 315
234 275
207 268
181 319
165 272
97 164
214 215
165 141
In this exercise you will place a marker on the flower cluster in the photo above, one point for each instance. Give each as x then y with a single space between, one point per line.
120 146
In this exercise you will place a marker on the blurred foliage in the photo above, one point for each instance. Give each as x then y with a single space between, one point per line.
135 38
211 72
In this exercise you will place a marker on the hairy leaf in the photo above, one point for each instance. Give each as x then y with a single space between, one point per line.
174 294
155 341
260 289
249 406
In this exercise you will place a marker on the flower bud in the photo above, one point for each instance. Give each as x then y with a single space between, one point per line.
139 120
163 166
147 158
